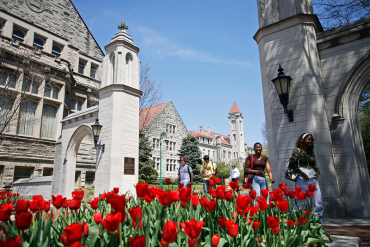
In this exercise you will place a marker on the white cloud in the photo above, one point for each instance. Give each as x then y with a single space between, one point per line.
162 47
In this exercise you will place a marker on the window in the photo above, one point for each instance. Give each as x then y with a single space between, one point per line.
22 172
157 162
49 114
81 67
209 153
89 179
56 50
241 125
38 43
170 128
155 143
51 91
8 79
2 23
233 124
170 146
213 154
241 137
171 165
204 151
93 71
236 154
229 155
166 145
18 35
47 172
31 85
234 137
224 154
76 104
174 146
6 106
27 118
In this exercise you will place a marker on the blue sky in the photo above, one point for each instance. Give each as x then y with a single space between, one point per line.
203 51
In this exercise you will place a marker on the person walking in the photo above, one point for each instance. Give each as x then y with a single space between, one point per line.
303 162
234 173
209 169
185 173
260 162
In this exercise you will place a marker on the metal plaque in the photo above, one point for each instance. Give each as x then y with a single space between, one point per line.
129 166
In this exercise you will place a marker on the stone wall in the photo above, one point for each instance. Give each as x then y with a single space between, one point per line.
58 17
168 115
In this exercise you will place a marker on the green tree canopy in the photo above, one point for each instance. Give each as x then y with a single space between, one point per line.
364 120
146 164
190 151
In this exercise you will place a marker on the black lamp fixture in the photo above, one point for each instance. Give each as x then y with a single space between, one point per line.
282 84
141 135
96 127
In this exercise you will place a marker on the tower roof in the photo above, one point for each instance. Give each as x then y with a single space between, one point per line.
235 109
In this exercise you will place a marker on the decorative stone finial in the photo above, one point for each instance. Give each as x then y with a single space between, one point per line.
123 26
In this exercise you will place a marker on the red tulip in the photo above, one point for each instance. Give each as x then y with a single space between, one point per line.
181 186
147 199
12 242
221 192
137 241
211 182
243 202
72 233
253 194
35 205
276 230
168 180
86 230
111 222
192 228
5 211
247 185
76 244
102 197
210 205
307 213
239 211
58 201
47 206
23 220
232 229
277 195
21 206
311 188
136 213
300 196
94 203
265 193
38 198
110 196
116 190
256 225
163 243
183 204
74 204
272 204
290 223
215 240
175 195
298 189
152 191
228 196
282 186
185 194
286 193
273 222
118 203
291 194
234 185
252 210
194 200
222 222
262 204
78 194
283 205
164 198
309 194
98 217
141 189
169 231
193 242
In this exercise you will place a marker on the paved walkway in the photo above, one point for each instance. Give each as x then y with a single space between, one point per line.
349 227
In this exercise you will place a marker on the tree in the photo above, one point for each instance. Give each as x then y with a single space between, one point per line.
146 164
265 148
152 94
334 13
364 120
190 151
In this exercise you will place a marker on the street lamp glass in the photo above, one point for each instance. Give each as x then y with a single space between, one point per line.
96 127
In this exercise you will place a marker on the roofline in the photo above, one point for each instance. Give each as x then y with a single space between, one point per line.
87 28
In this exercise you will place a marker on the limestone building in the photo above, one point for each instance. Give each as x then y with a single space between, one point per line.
49 68
164 118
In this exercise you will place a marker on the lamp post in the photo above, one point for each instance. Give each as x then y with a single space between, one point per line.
160 157
96 127
282 85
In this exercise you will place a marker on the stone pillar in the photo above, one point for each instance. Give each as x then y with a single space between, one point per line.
291 42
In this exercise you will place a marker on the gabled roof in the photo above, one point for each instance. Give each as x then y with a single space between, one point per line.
224 139
148 114
235 109
194 133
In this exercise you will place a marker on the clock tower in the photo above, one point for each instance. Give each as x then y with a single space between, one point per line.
236 133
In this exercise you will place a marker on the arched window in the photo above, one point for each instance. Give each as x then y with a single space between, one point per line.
18 35
38 43
81 67
128 69
224 154
56 50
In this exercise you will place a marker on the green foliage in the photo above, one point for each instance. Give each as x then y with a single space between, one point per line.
364 120
190 151
223 171
146 165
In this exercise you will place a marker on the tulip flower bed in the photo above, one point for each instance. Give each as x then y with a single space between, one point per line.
165 218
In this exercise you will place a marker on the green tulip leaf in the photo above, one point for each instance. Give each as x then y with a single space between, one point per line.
93 235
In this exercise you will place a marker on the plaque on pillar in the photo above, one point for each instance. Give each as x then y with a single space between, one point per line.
129 166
